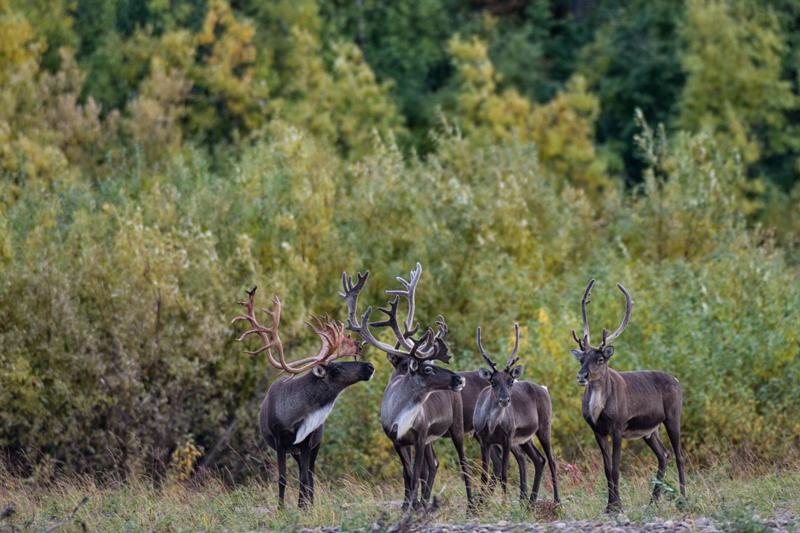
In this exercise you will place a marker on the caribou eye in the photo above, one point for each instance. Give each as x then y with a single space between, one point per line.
601 359
428 369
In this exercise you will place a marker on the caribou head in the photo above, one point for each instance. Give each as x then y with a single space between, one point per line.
501 381
594 359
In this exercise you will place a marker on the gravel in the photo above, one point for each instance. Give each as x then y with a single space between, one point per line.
781 522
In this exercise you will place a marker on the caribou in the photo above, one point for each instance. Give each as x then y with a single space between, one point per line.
508 413
421 402
294 410
627 405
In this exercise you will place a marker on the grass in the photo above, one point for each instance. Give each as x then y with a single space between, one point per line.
732 495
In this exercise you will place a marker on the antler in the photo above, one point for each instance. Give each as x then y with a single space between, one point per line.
330 332
257 329
608 339
584 343
485 356
434 346
512 358
350 295
426 347
409 291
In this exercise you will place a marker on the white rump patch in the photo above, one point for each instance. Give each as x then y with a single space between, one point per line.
312 422
406 419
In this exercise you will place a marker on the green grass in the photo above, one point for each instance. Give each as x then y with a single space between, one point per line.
721 492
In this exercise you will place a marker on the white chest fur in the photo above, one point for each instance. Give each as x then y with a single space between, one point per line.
597 402
405 420
312 421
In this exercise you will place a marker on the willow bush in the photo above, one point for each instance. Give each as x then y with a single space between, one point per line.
117 294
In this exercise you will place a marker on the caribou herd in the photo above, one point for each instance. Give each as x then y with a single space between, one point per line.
424 401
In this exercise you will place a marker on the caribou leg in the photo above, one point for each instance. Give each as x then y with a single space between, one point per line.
544 440
614 502
496 455
523 474
281 476
674 433
405 461
303 460
538 467
602 442
416 473
504 471
431 466
655 444
312 461
457 436
487 482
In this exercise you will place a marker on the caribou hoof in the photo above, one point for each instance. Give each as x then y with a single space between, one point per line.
614 507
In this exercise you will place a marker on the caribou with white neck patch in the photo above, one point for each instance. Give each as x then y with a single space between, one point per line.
294 409
421 402
628 405
508 414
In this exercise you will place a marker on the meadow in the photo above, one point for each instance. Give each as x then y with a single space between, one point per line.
736 497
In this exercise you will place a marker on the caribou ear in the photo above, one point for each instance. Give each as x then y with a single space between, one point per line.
413 365
578 355
319 371
516 372
608 351
485 374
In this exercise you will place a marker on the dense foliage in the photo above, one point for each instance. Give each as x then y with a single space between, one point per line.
157 157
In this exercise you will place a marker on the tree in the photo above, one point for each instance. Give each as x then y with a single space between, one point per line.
562 129
734 86
633 62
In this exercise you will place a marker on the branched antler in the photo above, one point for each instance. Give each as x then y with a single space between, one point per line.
430 345
584 344
330 332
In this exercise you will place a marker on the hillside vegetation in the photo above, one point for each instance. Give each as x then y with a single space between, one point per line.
157 158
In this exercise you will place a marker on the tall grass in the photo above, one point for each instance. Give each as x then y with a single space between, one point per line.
725 492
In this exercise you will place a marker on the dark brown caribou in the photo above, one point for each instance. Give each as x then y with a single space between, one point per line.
508 414
627 405
473 382
296 406
421 402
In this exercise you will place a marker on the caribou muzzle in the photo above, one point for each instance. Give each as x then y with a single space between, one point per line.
367 371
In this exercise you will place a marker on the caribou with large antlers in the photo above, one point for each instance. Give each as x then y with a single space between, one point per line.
628 405
421 402
508 414
296 406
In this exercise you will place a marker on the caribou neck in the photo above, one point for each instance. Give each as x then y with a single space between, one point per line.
599 393
503 418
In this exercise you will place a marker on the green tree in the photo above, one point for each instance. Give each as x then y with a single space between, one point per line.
734 84
562 129
634 62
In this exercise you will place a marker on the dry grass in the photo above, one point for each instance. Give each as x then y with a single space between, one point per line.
137 505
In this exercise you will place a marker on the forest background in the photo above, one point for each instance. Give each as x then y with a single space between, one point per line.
157 157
